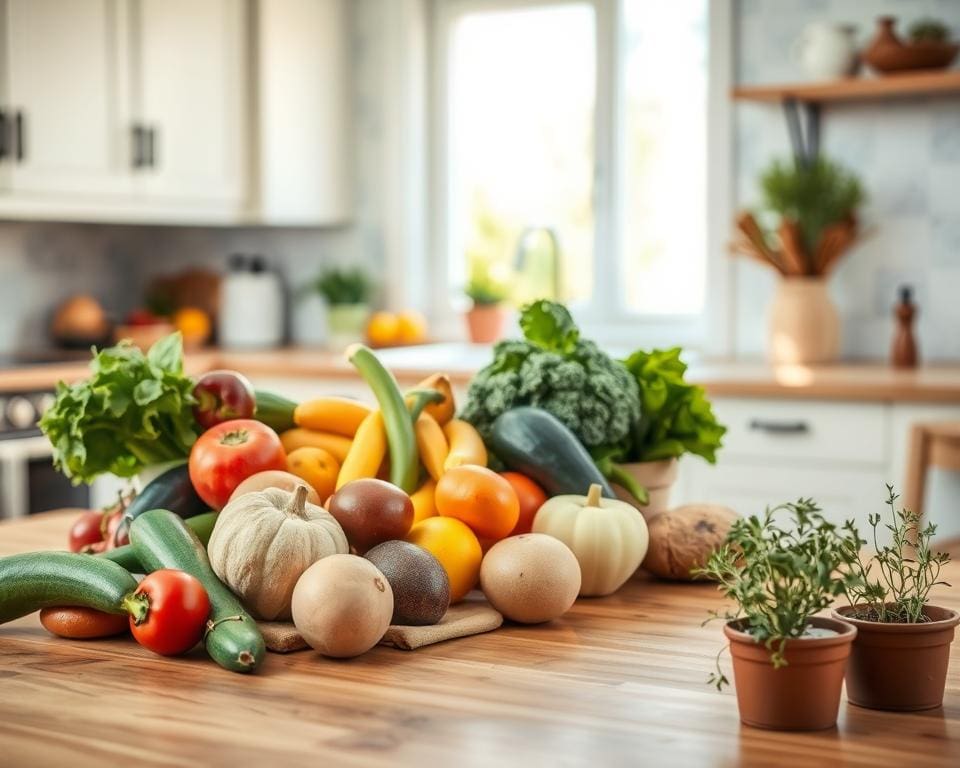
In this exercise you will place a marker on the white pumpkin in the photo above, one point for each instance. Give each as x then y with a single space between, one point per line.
264 541
609 537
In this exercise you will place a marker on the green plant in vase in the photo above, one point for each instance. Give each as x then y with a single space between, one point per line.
347 293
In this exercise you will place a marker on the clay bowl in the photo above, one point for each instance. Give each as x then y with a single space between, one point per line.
909 57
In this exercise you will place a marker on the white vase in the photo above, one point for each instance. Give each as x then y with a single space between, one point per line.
804 323
826 51
658 477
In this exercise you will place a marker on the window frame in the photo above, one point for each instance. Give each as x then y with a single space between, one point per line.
615 325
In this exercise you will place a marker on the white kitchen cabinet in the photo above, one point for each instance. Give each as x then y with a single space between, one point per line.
303 112
190 83
65 121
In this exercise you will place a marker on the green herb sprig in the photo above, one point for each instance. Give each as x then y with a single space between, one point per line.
893 584
780 575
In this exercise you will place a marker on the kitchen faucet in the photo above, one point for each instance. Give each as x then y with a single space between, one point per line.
523 250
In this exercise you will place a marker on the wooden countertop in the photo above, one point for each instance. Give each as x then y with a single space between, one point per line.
618 681
846 381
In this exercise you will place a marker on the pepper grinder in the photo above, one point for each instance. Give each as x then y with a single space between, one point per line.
903 353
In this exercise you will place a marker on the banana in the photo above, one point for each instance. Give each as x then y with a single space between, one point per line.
443 410
424 505
298 437
432 444
466 445
339 415
367 452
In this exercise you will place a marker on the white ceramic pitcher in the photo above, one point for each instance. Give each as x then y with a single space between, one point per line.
826 51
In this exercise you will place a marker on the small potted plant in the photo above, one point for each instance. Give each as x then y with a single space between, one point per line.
900 657
487 314
810 207
347 294
788 664
676 419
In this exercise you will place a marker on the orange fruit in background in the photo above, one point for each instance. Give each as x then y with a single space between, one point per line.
531 497
411 328
455 546
480 498
383 329
315 466
194 324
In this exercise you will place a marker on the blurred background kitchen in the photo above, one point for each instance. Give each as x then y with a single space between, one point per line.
771 184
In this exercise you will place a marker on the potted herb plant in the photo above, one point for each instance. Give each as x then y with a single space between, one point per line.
902 650
788 664
676 418
487 314
347 294
811 207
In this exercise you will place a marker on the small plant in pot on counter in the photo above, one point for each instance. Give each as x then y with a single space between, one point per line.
788 664
900 657
487 313
347 293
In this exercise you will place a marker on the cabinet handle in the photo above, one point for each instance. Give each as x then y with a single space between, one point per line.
151 147
4 135
780 427
136 146
19 136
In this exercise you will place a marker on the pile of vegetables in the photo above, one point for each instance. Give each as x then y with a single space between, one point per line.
639 409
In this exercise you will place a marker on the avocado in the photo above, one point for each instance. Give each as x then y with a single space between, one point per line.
421 588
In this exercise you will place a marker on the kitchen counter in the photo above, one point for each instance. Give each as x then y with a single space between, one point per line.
617 681
847 381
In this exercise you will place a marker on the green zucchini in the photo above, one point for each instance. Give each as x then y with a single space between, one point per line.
160 539
38 580
202 525
172 490
540 446
404 461
274 411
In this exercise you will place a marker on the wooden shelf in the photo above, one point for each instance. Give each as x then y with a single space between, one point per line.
856 88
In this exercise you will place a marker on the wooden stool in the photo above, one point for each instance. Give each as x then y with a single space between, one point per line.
931 445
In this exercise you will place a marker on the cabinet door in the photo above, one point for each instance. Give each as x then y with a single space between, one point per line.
190 85
65 97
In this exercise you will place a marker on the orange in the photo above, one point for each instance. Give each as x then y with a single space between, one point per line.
194 324
315 466
455 546
383 329
411 328
480 498
424 505
531 497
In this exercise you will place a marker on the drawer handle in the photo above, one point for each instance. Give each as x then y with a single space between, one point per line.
780 427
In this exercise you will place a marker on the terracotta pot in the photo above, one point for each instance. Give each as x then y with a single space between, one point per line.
887 53
804 324
485 323
899 666
658 478
804 695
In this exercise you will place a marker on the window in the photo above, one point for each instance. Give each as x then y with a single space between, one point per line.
576 130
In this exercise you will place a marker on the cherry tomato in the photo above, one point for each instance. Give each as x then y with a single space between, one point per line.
168 612
227 454
86 531
531 497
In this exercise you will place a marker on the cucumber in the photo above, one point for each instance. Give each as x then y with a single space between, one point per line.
172 490
160 539
274 411
38 580
202 525
540 446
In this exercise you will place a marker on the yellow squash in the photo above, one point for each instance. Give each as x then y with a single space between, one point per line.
432 445
466 445
340 415
367 452
299 437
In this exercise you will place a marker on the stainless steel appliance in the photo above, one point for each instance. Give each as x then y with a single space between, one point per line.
28 481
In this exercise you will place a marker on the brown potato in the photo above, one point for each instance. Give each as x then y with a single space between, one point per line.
682 539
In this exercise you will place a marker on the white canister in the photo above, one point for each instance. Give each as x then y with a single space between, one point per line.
826 51
252 306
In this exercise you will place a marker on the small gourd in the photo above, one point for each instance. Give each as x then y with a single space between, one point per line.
608 537
264 541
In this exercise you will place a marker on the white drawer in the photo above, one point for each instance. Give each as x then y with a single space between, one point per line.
804 430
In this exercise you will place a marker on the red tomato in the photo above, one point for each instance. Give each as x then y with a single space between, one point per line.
168 612
531 497
226 455
86 531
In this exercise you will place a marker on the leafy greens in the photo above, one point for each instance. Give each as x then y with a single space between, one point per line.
133 410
